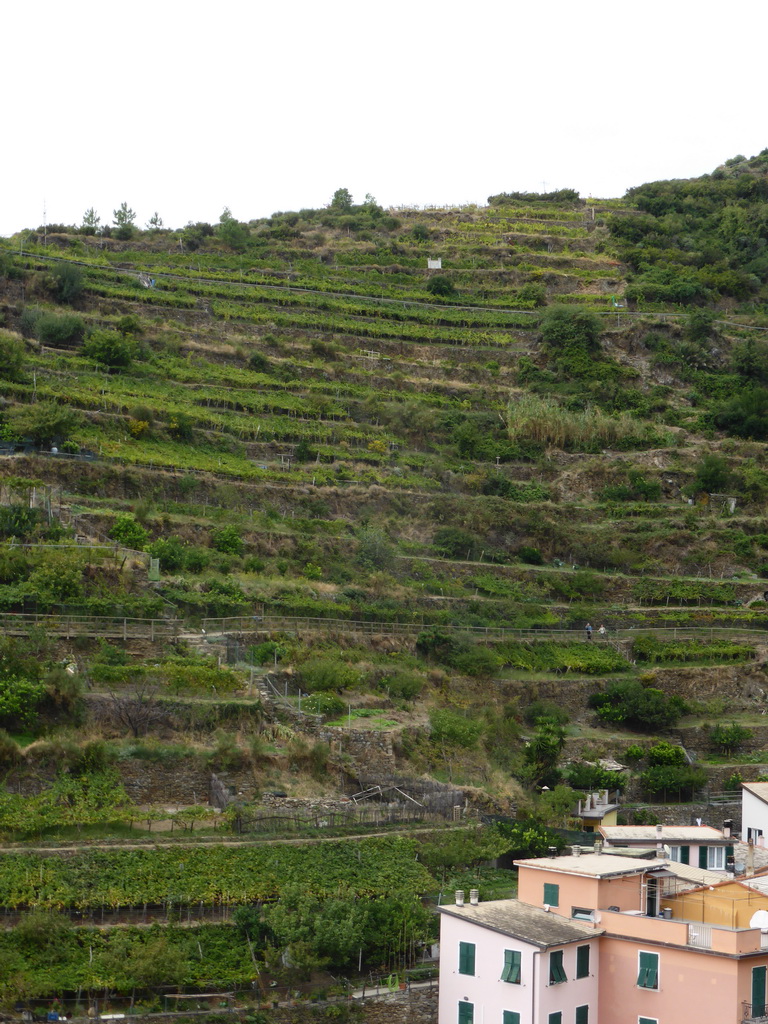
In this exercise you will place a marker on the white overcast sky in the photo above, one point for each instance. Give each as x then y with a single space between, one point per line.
188 107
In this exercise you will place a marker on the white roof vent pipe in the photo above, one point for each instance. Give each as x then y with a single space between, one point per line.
459 897
474 897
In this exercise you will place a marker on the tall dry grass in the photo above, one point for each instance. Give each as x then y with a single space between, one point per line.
543 420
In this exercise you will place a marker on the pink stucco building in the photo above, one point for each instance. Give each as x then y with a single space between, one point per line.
596 938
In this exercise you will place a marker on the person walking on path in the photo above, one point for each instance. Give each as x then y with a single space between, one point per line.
602 631
588 631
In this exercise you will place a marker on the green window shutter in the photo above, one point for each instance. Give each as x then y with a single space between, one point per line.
556 969
685 855
703 857
728 853
758 991
555 1018
512 963
466 958
582 961
648 974
552 894
511 1017
466 1013
582 1015
647 1020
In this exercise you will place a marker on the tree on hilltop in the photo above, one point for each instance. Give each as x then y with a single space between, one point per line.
342 200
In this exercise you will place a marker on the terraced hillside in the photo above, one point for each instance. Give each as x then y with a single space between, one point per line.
288 511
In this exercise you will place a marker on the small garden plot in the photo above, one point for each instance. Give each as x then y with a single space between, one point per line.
594 659
649 649
365 718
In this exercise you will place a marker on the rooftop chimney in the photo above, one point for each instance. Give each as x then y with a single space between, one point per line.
576 851
459 897
474 897
750 858
598 846
551 851
728 827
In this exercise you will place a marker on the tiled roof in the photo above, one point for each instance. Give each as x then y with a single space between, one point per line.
524 922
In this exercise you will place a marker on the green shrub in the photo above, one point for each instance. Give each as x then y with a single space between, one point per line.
44 422
170 550
440 285
402 685
478 662
630 703
673 781
728 738
228 541
66 329
12 357
268 653
319 675
110 348
128 532
452 542
563 327
546 710
326 704
450 727
664 753
67 282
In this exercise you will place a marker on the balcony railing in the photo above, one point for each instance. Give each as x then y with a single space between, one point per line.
747 1017
700 935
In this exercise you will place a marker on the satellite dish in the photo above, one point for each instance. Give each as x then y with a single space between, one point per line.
759 919
667 851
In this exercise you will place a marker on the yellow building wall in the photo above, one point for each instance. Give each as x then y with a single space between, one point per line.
730 905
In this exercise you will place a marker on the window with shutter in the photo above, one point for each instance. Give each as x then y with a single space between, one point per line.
647 1020
466 958
582 961
552 894
555 1018
582 1015
648 972
556 969
703 850
758 991
511 1017
512 963
466 1013
685 855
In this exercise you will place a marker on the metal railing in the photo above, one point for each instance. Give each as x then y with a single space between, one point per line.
274 623
700 935
116 627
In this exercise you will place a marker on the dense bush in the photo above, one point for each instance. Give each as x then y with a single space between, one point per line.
320 675
453 728
632 704
44 422
110 348
12 357
59 330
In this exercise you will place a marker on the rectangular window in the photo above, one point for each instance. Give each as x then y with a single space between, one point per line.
552 894
466 958
582 914
754 834
512 962
555 1018
685 855
648 970
511 1017
716 858
674 853
582 1015
647 1020
556 969
758 991
466 1013
582 961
